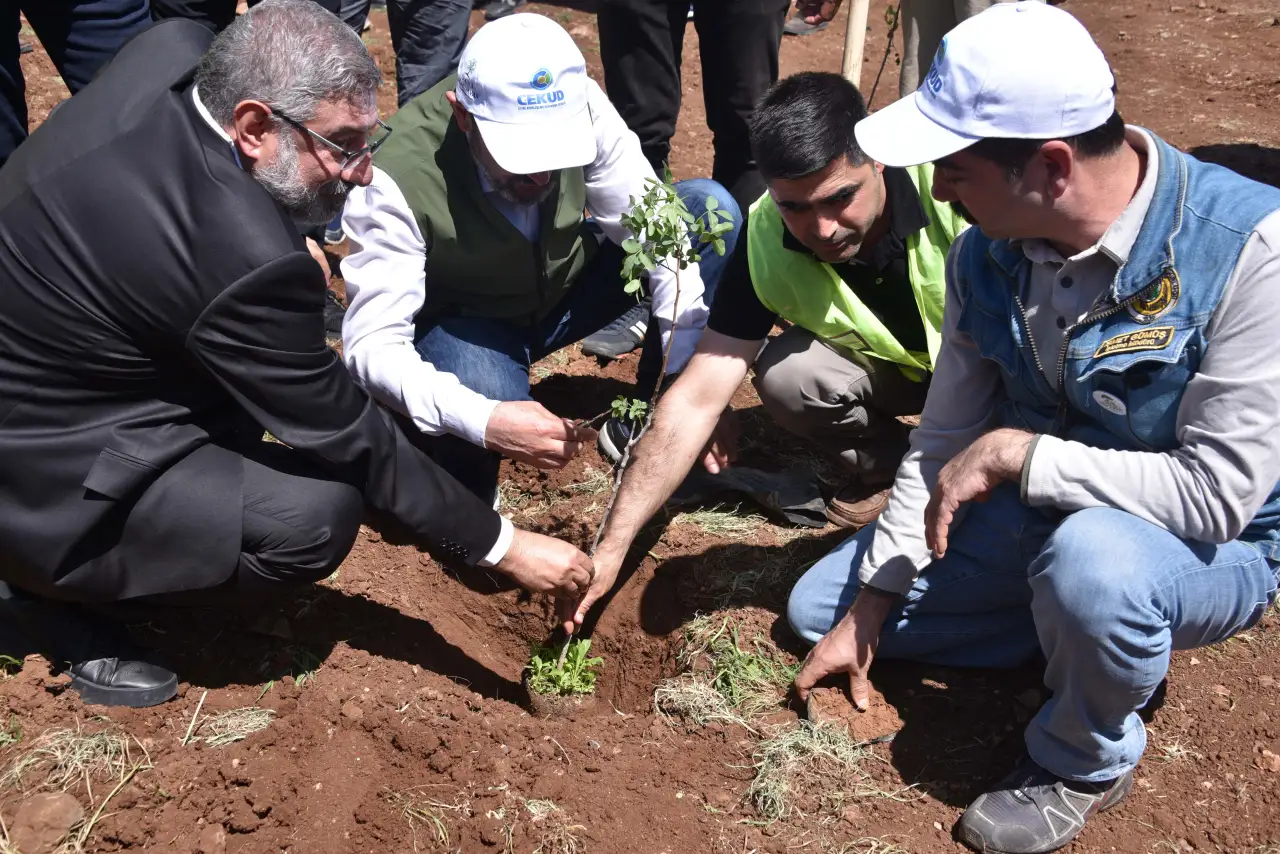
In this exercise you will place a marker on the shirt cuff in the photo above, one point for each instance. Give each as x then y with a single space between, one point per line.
1039 471
501 546
467 415
896 575
1025 480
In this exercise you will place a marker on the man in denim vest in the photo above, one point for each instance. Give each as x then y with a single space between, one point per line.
1095 472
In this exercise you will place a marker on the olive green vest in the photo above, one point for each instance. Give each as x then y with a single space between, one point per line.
811 294
478 263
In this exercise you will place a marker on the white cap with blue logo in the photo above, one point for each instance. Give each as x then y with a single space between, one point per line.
1021 70
525 82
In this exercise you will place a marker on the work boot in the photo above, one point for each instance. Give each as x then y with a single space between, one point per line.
623 335
1033 811
106 669
857 504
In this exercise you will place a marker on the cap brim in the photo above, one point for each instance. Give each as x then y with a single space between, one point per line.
525 149
901 135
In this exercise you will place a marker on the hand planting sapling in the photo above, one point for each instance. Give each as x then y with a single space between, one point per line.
664 233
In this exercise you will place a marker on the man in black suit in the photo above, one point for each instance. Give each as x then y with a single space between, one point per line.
161 312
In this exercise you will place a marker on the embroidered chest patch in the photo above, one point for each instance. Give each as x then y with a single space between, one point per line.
1155 338
1157 297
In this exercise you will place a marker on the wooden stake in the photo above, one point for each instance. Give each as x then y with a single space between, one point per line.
855 36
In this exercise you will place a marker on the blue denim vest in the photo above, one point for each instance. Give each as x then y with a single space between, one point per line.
1123 369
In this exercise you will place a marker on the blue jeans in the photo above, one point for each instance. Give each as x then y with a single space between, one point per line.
1105 595
493 357
427 36
80 36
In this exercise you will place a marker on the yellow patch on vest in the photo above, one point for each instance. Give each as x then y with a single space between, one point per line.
1155 338
1158 297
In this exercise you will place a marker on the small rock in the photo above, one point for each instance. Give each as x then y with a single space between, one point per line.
1268 761
591 769
1029 698
352 711
1266 682
593 744
937 825
213 840
43 821
1194 661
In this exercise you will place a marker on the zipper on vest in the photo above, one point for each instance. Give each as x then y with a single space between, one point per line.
541 274
1091 317
1060 417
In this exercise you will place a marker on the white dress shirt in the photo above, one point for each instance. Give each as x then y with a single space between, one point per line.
386 276
1228 422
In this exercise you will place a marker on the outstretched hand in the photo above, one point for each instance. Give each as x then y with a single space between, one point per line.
849 647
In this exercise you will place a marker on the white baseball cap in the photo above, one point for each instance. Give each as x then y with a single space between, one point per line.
525 82
1022 70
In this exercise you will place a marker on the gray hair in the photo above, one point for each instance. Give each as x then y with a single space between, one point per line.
290 55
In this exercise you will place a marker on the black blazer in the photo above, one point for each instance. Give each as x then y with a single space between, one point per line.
155 299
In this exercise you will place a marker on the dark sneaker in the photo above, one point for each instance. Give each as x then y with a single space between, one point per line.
334 312
623 335
1032 811
502 8
857 504
613 439
795 26
105 668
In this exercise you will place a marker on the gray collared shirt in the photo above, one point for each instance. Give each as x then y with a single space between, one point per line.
1228 423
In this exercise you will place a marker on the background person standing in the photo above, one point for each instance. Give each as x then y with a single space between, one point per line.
78 36
640 46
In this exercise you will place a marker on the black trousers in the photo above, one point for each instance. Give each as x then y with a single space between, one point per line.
217 15
295 524
640 46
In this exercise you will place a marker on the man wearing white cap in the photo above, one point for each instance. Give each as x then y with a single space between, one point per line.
1095 473
471 257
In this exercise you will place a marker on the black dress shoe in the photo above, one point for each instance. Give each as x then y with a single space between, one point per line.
502 8
105 667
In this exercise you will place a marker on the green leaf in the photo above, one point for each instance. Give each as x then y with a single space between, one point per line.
648 262
631 246
712 203
718 244
631 287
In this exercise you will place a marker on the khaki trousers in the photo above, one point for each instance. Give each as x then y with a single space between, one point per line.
846 405
924 23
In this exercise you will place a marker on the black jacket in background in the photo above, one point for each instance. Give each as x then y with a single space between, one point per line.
154 299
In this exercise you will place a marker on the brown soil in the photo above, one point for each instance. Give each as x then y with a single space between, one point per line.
832 707
400 719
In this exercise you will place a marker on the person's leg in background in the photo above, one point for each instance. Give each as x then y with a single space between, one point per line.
739 41
972 608
849 406
428 36
490 357
354 13
924 23
217 15
80 37
640 47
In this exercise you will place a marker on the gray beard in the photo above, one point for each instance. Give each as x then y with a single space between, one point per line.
307 206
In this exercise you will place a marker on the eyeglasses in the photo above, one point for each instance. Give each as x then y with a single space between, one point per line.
348 157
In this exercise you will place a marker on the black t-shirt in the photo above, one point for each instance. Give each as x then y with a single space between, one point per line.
882 282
